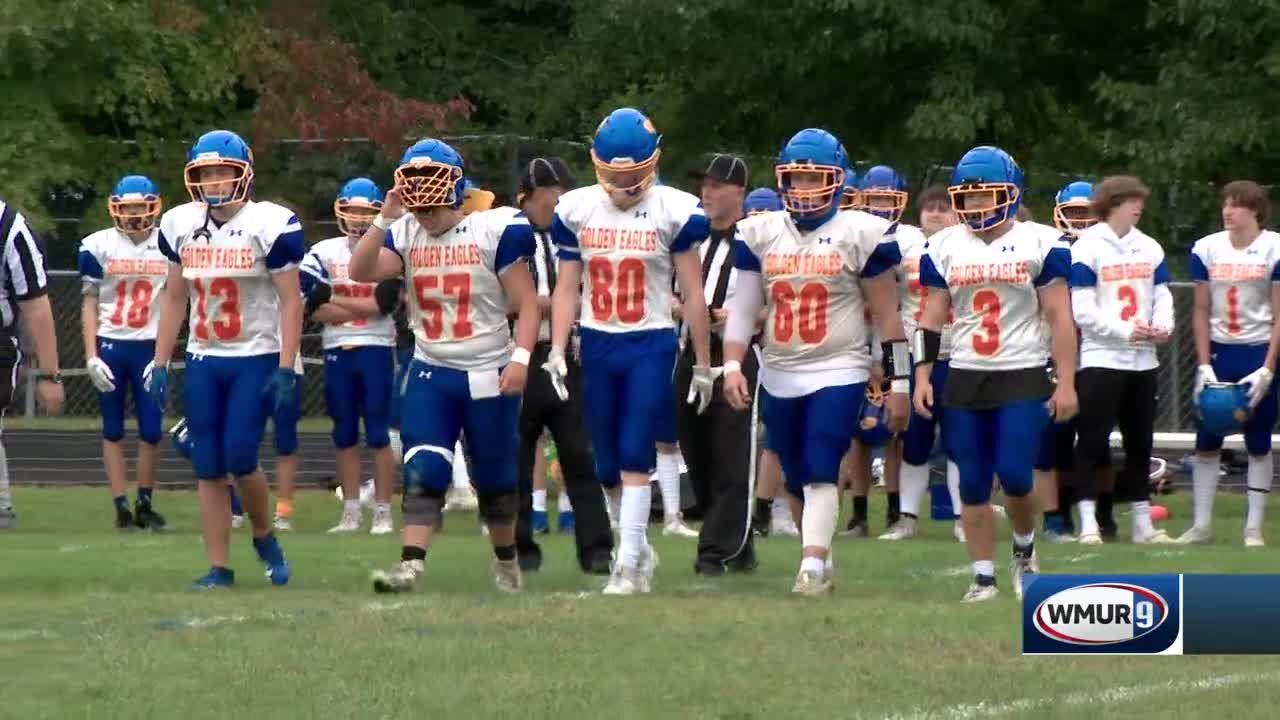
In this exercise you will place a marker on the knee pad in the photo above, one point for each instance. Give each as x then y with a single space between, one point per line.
240 454
795 487
427 468
149 434
975 489
494 477
286 438
112 429
1258 443
422 507
346 433
1016 482
639 457
377 435
498 508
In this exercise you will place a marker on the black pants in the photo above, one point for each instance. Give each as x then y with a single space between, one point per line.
542 408
1108 398
718 449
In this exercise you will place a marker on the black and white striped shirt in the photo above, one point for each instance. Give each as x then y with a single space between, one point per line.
718 274
544 266
23 268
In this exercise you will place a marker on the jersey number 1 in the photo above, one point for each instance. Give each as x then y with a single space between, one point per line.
139 300
225 324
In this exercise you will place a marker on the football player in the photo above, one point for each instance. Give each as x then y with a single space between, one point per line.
628 235
998 275
465 376
1237 301
124 273
1073 210
1121 301
358 339
813 268
238 260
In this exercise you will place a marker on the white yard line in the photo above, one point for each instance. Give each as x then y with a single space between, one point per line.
1101 696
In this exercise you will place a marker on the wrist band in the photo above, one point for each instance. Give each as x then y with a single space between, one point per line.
520 356
382 223
900 386
732 366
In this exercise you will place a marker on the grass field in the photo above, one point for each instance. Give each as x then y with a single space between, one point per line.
98 624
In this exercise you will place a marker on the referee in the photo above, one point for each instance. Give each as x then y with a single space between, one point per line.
24 294
541 184
718 446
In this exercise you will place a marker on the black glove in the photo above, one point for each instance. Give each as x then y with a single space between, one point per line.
387 293
320 294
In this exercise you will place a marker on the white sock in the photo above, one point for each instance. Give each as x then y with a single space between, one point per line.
633 521
781 508
913 483
986 568
1024 540
1088 518
461 476
953 486
540 500
1204 487
563 503
669 483
818 522
830 564
397 448
6 500
351 507
612 500
814 565
1141 512
1259 477
382 508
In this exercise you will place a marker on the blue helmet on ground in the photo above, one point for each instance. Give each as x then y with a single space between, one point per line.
1072 210
811 176
182 441
1223 408
134 204
225 150
850 196
357 204
625 151
431 174
873 419
761 200
884 193
986 188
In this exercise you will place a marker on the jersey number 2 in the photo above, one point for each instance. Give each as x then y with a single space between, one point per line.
987 304
801 313
617 293
456 284
225 324
138 298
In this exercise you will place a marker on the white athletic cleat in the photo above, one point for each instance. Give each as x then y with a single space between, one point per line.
237 522
999 511
349 523
957 530
784 526
281 524
1091 538
366 494
980 593
1195 536
648 564
626 581
904 529
675 527
8 518
402 577
507 577
382 524
812 585
460 498
1021 567
1253 538
1159 537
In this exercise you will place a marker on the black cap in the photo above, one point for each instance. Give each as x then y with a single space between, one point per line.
729 169
544 172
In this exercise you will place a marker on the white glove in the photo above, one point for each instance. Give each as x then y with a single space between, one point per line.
1258 381
558 369
701 388
100 375
1204 376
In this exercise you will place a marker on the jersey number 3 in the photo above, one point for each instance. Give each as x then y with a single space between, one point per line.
986 341
138 298
225 323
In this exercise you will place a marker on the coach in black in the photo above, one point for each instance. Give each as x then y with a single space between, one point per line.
541 184
719 445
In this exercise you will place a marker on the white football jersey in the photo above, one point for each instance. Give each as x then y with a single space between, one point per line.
1057 238
993 290
815 313
327 262
128 278
1240 282
911 292
228 268
457 305
626 254
1127 276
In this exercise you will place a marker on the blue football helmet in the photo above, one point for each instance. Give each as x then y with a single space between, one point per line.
182 441
986 188
134 204
761 200
1223 408
1072 212
220 149
884 193
818 157
873 419
358 202
625 152
431 175
850 196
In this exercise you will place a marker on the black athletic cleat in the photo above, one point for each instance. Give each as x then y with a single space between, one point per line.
144 517
124 519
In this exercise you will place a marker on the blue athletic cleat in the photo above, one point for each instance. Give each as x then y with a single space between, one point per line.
565 522
217 577
540 522
273 557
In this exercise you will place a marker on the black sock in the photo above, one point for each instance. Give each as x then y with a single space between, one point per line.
504 552
1104 514
121 502
764 508
895 508
860 507
1023 552
409 552
984 580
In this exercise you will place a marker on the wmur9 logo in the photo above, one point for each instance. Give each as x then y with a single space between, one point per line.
1092 614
